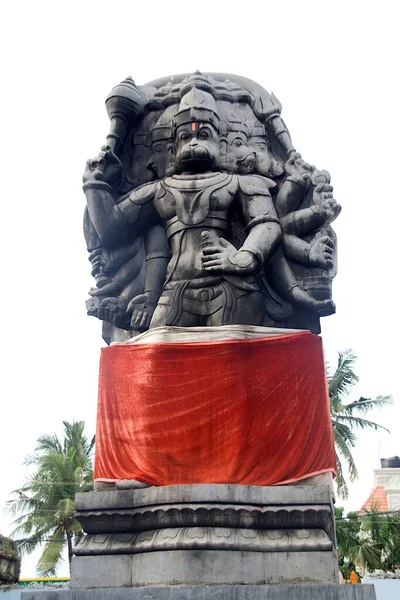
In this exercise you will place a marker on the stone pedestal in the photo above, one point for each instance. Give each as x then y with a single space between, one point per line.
215 592
205 535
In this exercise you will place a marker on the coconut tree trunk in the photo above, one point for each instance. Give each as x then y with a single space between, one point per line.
69 542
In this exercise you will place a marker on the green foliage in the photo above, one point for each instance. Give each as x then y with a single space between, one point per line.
368 541
346 416
44 506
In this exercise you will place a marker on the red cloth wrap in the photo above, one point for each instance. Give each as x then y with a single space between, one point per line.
252 412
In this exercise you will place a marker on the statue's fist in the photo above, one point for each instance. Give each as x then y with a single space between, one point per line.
113 310
324 202
321 252
298 169
105 167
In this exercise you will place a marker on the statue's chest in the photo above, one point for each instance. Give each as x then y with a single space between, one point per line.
191 200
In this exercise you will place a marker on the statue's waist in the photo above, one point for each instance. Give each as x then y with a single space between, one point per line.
200 298
212 283
214 220
194 283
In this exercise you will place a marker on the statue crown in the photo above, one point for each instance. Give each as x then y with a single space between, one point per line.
197 102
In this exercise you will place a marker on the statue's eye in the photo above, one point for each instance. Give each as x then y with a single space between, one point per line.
238 143
183 136
262 147
158 149
203 135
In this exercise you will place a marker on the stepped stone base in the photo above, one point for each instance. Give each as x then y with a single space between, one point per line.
205 535
221 592
202 567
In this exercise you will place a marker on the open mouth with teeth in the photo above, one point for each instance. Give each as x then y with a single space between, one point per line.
247 163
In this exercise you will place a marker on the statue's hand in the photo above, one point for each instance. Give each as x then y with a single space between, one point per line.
298 170
113 310
321 252
105 167
98 259
324 202
220 256
142 308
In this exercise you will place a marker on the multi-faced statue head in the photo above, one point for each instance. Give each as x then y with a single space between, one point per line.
266 165
162 152
238 157
196 127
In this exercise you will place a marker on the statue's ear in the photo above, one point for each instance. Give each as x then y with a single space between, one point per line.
170 168
223 145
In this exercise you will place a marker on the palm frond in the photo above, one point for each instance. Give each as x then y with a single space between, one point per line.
343 450
364 405
344 378
360 423
52 554
341 485
49 443
343 431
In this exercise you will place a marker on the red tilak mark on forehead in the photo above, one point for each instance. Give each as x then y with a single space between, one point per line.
193 126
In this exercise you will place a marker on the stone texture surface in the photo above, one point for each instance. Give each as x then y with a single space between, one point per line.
10 561
101 572
233 494
206 567
205 534
203 567
242 516
205 538
216 592
132 484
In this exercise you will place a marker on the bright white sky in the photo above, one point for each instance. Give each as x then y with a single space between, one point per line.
334 66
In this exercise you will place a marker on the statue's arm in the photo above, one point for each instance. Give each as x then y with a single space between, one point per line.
259 217
262 226
289 198
323 209
157 253
301 222
114 222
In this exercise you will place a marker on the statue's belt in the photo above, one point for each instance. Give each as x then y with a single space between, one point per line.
202 300
213 221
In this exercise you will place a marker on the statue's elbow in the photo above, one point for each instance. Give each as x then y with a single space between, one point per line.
278 235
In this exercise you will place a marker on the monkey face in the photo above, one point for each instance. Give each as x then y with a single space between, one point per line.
197 147
240 158
266 165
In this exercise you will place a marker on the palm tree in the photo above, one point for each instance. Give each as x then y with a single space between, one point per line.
355 550
367 541
384 531
45 503
347 417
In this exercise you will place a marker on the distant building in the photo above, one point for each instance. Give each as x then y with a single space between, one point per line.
385 495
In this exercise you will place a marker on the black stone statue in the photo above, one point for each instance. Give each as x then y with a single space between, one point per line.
201 212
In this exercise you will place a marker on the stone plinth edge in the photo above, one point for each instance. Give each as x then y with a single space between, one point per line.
222 592
223 493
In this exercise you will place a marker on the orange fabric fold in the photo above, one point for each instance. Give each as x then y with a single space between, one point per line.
252 412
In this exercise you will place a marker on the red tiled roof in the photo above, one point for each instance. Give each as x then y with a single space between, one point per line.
377 500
